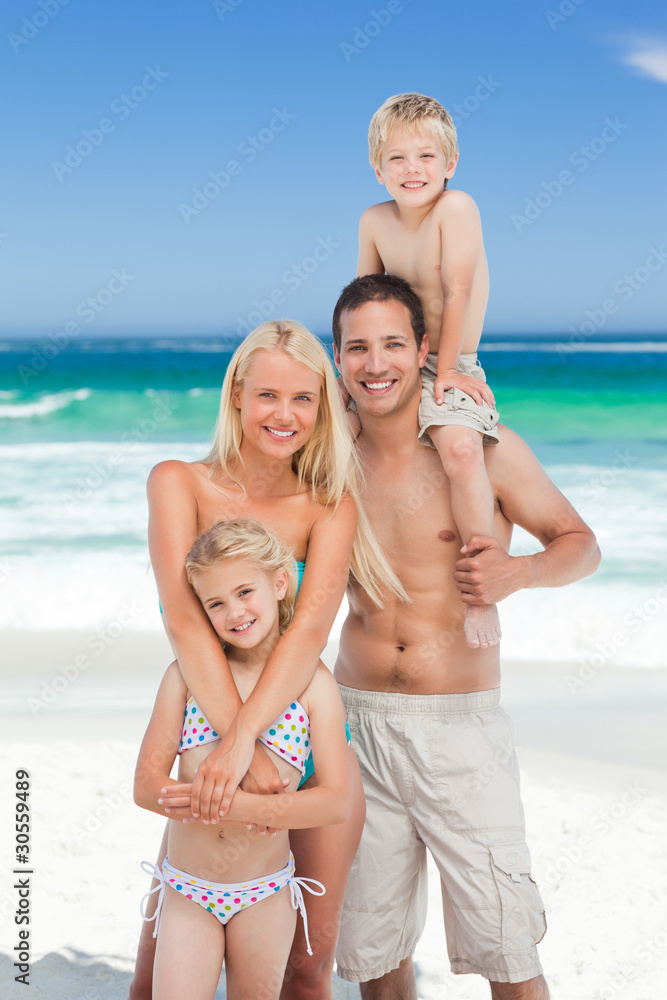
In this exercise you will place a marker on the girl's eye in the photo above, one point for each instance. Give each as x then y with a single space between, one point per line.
218 604
243 593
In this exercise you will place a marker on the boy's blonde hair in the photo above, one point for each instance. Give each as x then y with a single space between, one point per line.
245 539
328 461
414 112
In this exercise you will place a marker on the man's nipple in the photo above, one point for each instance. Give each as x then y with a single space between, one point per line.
446 536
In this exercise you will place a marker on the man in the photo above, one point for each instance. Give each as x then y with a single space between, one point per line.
435 750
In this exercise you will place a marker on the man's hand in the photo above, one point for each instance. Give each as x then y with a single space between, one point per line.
473 387
487 574
219 775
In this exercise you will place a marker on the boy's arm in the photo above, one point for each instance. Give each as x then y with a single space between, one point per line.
369 261
330 801
528 498
161 742
461 249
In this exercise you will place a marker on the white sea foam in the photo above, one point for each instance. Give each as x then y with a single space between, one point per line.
579 347
44 405
73 538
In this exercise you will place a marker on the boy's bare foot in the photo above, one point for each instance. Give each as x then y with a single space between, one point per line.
482 626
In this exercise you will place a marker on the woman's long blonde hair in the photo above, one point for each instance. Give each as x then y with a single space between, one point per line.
328 462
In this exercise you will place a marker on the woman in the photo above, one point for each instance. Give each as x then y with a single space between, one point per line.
282 455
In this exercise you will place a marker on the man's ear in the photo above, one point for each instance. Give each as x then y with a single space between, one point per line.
336 354
422 354
281 584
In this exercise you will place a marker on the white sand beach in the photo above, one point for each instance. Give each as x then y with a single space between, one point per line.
594 772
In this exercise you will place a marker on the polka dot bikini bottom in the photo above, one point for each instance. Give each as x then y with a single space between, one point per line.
224 901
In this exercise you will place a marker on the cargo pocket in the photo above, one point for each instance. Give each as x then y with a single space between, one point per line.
523 921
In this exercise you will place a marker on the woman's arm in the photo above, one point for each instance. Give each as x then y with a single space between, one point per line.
292 663
172 530
161 742
330 801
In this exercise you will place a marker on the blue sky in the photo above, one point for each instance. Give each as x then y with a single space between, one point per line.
275 99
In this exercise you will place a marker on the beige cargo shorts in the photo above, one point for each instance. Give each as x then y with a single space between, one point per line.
457 408
440 774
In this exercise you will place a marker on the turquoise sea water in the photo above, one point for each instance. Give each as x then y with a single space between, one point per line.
82 424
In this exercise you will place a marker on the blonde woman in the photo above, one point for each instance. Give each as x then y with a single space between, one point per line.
283 456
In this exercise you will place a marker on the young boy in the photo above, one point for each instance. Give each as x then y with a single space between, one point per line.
432 237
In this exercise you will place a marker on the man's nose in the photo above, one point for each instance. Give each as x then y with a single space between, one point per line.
375 361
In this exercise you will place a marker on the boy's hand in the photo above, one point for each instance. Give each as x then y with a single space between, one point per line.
473 387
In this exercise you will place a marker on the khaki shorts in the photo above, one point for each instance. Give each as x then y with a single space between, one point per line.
457 409
439 773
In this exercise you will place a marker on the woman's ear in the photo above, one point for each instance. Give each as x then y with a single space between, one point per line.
236 394
281 583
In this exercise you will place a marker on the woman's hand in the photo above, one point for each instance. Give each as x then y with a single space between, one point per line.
228 766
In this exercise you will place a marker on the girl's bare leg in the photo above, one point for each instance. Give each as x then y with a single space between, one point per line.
190 950
325 853
141 987
257 948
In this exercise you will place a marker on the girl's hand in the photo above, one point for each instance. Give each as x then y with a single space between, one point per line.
219 775
176 800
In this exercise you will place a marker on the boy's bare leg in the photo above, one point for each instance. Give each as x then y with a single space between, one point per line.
461 452
399 984
532 989
141 987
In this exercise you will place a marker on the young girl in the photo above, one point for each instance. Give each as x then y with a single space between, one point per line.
221 886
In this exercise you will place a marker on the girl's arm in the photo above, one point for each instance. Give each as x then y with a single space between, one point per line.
172 529
328 802
292 663
161 742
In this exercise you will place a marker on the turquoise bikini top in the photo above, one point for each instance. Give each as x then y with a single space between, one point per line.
300 567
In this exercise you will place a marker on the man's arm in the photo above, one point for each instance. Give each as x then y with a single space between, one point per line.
528 498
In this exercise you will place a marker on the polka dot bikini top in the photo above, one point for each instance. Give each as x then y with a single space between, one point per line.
289 736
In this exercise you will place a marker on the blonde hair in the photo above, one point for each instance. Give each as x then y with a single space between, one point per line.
328 462
245 539
414 112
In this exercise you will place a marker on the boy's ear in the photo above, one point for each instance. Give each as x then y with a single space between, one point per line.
451 167
378 174
281 584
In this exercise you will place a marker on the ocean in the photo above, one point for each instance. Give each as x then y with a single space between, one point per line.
82 421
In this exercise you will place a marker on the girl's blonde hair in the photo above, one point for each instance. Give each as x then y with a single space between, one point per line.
413 112
328 461
245 539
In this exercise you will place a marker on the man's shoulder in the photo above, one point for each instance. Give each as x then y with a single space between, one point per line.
510 457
